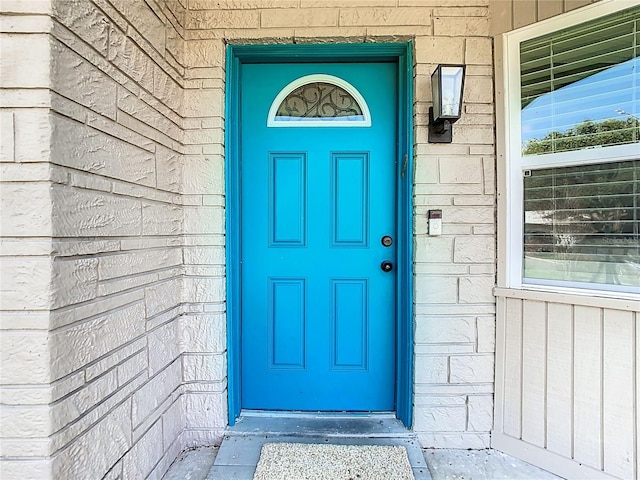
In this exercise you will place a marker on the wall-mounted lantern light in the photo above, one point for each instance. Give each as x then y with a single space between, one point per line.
447 82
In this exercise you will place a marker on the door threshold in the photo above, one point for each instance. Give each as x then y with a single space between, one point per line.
320 424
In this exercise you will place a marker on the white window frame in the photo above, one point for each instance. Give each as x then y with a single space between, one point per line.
512 164
323 78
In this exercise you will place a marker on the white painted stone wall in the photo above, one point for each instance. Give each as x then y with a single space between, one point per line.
113 330
112 324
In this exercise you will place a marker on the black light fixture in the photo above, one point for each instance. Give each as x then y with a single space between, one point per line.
447 82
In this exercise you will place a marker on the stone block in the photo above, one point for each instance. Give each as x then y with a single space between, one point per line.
486 334
85 20
203 174
461 26
143 456
152 394
32 139
25 283
74 281
384 16
473 134
202 333
480 269
86 213
25 358
431 369
436 289
131 59
307 17
111 437
161 219
434 50
460 169
204 53
169 169
85 148
478 51
478 90
172 423
7 135
163 346
204 255
19 218
77 79
426 171
203 103
468 10
204 368
480 413
433 249
24 60
204 290
474 249
80 344
475 200
445 330
440 419
477 289
469 214
203 220
471 369
27 468
205 410
476 441
212 19
136 262
167 90
31 7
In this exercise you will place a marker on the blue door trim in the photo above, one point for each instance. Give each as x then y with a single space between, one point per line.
401 53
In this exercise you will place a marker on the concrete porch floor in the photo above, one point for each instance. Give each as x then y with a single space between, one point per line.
238 455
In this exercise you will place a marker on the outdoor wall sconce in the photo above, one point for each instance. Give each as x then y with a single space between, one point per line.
447 82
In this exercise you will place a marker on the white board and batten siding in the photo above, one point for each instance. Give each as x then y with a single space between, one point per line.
567 379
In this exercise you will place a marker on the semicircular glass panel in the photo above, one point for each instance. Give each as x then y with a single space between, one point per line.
319 100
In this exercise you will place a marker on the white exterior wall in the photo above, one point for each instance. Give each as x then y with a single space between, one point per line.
108 366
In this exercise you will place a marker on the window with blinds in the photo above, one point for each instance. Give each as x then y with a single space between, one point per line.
582 224
580 87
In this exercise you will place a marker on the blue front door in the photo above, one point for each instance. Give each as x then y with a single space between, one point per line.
317 298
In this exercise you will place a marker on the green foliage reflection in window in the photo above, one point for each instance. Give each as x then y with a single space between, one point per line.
580 87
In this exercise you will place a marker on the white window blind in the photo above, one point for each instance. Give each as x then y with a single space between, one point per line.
580 87
582 224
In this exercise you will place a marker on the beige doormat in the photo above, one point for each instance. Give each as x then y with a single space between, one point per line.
301 461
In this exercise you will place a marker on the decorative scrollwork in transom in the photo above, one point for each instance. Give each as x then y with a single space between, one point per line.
319 100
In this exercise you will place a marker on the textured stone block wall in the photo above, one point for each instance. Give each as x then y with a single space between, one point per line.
454 273
112 359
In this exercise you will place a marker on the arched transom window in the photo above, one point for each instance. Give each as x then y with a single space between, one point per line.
319 101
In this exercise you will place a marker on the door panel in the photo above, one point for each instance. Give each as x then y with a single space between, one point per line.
318 313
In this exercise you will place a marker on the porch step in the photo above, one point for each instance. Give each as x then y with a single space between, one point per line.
240 449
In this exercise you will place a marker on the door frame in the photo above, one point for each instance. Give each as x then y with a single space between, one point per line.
401 53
